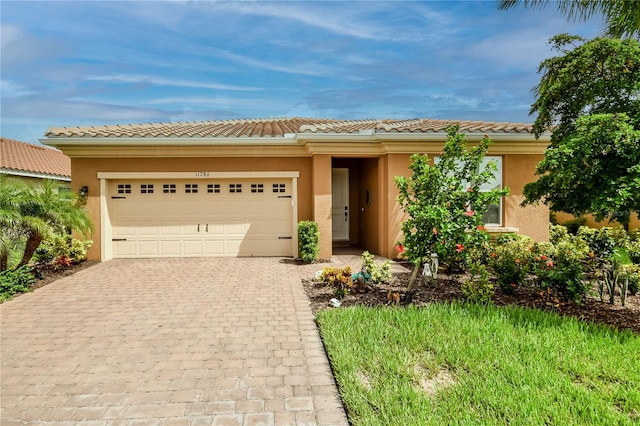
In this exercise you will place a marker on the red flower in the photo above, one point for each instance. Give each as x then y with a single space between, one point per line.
481 228
469 189
492 255
469 213
459 247
543 257
517 261
550 264
400 248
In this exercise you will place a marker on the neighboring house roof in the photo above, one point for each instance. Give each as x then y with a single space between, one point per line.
279 127
24 159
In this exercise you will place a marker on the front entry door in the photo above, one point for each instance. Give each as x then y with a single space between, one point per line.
340 204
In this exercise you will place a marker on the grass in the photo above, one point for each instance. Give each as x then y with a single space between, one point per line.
459 364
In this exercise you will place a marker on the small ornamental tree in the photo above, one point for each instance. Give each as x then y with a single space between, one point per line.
444 202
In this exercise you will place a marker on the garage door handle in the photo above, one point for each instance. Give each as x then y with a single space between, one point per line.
198 227
207 229
118 239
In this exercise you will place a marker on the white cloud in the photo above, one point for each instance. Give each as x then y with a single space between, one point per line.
160 81
345 21
11 89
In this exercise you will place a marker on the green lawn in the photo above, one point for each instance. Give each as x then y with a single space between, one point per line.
466 364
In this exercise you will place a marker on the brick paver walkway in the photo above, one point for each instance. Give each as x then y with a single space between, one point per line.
167 341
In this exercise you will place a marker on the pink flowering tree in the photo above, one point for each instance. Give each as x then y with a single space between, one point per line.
444 203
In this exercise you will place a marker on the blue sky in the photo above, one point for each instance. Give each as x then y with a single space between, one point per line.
78 63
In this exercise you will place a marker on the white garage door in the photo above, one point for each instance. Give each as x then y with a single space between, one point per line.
218 217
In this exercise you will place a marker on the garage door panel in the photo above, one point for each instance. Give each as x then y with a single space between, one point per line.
192 247
169 248
168 229
148 248
214 247
124 249
188 223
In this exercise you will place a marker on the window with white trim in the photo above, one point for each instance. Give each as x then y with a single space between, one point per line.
493 216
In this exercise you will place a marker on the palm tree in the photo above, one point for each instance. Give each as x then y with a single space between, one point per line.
10 200
35 212
622 17
50 209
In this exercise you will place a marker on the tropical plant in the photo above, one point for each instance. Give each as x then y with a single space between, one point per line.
38 211
590 98
622 17
11 191
444 203
14 282
337 278
377 273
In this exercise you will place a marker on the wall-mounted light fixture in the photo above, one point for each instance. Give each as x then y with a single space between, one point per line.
84 191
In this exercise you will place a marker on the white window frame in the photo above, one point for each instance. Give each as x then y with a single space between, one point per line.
495 184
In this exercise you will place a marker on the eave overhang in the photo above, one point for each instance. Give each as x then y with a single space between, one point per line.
363 143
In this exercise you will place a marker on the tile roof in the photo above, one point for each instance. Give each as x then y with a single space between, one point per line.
278 127
25 157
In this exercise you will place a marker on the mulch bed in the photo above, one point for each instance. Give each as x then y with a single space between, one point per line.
448 288
52 274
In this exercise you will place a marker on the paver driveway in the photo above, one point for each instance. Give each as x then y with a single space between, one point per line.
167 341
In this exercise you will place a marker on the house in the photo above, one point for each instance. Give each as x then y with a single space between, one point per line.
30 162
239 187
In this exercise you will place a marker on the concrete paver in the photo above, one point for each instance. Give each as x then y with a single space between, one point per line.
167 342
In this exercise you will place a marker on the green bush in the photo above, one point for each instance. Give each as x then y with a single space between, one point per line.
308 241
15 281
477 288
599 241
510 260
562 270
62 246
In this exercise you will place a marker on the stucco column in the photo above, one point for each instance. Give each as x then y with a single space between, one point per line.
321 190
394 165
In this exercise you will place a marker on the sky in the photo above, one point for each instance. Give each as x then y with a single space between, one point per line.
83 63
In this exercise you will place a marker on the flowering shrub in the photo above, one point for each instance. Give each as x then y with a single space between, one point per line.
510 261
561 270
444 204
339 279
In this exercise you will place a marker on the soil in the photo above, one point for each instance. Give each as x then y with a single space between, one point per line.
51 274
448 288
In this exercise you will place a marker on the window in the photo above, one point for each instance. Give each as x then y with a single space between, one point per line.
124 188
213 188
493 216
235 188
191 188
257 187
279 187
146 189
169 188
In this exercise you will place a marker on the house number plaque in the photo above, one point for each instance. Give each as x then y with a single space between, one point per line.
202 174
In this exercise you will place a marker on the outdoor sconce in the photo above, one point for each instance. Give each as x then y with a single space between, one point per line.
84 191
